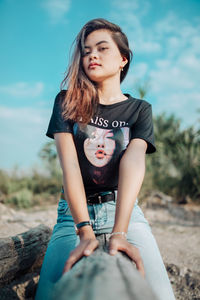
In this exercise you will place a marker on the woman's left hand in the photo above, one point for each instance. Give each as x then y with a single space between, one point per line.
120 243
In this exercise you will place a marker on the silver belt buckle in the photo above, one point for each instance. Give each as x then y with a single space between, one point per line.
99 197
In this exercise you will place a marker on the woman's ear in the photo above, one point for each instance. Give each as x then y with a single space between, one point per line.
124 61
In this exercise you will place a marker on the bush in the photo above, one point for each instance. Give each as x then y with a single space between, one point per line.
45 199
4 182
174 169
21 199
40 184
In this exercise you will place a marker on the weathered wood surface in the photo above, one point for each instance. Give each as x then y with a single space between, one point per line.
97 277
101 276
22 253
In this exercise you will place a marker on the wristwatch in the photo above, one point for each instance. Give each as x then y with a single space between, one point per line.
81 224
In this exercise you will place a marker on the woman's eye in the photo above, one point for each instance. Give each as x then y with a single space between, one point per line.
103 48
86 53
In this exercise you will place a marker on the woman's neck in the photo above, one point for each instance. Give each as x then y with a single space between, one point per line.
109 92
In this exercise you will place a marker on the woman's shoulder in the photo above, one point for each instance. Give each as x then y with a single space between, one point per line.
60 95
141 102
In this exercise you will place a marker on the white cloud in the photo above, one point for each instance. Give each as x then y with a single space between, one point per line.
23 134
22 89
140 69
178 70
148 47
135 6
183 105
166 25
136 72
126 5
56 9
178 35
190 63
172 62
171 78
31 116
130 14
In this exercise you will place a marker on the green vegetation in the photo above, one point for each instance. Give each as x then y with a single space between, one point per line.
24 191
174 169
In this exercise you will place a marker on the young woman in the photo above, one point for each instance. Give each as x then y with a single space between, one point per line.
101 137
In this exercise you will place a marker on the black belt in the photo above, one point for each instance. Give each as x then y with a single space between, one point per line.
101 197
98 198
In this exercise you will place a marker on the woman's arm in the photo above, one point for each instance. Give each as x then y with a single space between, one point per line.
131 175
72 179
75 195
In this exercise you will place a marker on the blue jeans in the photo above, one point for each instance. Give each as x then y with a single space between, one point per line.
64 240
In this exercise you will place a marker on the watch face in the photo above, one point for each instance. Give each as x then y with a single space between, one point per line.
81 224
76 229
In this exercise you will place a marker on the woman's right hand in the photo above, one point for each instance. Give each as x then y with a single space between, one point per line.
88 243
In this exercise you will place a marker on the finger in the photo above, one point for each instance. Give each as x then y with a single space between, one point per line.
140 267
73 258
131 251
113 251
91 246
69 263
134 254
113 248
76 254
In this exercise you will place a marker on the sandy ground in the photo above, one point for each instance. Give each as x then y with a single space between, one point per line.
179 243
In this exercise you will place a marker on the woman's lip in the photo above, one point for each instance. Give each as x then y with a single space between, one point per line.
93 65
100 154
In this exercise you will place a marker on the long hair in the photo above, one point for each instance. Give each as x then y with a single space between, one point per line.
81 99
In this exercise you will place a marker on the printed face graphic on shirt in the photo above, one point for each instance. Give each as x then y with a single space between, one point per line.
99 151
99 147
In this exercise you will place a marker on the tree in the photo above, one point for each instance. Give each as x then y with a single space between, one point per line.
48 155
175 167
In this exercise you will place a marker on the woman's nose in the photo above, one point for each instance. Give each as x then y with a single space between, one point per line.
101 143
93 54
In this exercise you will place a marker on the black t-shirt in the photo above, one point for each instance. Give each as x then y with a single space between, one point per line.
102 142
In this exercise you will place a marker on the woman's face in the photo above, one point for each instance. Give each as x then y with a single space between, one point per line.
99 147
102 58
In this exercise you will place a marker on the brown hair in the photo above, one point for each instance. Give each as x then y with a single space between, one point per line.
81 99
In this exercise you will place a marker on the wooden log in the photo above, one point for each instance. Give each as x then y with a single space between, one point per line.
99 276
22 253
102 276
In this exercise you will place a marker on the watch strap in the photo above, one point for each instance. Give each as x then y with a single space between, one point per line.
81 224
84 223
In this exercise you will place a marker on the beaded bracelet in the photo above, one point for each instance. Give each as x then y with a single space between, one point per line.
116 233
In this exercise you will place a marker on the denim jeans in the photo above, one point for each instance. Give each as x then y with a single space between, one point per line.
64 240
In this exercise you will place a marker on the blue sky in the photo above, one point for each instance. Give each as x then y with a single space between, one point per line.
36 36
